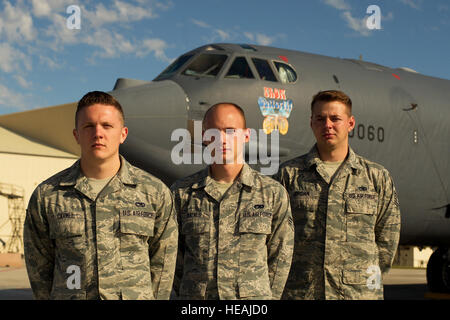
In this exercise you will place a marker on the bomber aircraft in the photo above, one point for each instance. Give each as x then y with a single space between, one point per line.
402 122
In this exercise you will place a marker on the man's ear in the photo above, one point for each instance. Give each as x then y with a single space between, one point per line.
124 135
75 135
247 135
351 123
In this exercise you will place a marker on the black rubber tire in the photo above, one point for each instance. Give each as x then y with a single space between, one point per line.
438 271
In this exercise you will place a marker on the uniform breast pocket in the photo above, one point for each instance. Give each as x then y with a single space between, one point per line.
253 232
360 215
137 226
135 231
196 232
68 229
304 212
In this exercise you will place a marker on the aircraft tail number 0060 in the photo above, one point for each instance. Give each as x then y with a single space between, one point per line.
370 132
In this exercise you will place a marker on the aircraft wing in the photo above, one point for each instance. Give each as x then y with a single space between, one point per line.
51 126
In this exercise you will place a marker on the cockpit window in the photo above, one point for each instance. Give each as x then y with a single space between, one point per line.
240 69
264 70
206 64
286 73
174 66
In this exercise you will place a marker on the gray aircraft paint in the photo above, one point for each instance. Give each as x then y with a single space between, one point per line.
412 109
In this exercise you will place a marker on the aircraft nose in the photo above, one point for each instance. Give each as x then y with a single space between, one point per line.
153 110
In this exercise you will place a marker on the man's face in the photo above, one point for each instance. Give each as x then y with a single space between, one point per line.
228 120
100 132
331 123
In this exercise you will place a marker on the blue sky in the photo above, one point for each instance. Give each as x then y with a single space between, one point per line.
43 63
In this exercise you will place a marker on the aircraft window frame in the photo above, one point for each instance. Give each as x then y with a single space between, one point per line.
282 80
269 67
212 68
213 47
247 47
175 66
227 76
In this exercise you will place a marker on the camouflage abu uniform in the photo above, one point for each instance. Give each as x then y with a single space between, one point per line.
237 248
124 241
344 230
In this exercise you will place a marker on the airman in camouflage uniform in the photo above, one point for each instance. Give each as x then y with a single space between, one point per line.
234 244
347 224
118 243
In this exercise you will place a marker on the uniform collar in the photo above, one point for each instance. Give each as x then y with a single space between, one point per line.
245 177
313 158
75 178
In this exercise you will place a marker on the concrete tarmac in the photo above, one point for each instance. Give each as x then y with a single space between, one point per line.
399 284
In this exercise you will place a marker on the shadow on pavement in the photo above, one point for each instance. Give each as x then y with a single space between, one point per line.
16 294
391 292
405 291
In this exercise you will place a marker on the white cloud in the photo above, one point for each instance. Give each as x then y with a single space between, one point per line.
443 8
119 12
263 39
22 81
35 31
217 34
259 38
388 17
338 4
412 3
16 23
223 35
12 59
111 44
200 23
157 46
358 25
45 8
41 8
108 42
11 98
52 64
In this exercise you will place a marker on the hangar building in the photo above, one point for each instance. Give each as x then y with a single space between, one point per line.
23 165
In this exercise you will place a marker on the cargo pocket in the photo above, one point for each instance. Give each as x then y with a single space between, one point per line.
354 277
135 232
195 231
304 212
255 290
253 270
67 295
361 209
192 289
67 231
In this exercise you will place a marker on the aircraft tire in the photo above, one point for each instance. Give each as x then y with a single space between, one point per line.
438 271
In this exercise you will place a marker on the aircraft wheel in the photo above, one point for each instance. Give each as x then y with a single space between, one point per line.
438 271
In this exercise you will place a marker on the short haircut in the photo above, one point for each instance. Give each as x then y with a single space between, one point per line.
330 96
238 108
98 97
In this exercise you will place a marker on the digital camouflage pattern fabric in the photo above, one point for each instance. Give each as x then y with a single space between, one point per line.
239 247
347 228
124 242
